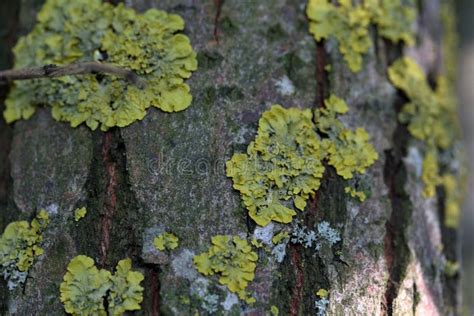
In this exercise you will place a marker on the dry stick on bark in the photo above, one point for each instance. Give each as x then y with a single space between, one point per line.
50 71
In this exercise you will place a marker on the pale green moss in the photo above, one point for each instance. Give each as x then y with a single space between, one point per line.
86 30
349 24
80 213
84 288
166 241
283 167
20 246
233 259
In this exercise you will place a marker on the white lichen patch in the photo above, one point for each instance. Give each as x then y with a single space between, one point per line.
279 252
285 86
230 300
414 160
183 265
264 234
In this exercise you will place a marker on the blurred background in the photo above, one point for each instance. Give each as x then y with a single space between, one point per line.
466 94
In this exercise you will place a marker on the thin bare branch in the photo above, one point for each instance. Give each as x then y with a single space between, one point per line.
50 71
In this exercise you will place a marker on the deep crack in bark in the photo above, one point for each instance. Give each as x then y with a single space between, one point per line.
218 4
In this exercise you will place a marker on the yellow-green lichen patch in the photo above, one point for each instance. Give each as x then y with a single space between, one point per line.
126 293
283 167
349 24
20 246
80 213
349 152
355 194
454 195
166 241
431 116
274 311
84 288
233 259
89 30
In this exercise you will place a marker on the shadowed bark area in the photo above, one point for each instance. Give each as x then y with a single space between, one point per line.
167 173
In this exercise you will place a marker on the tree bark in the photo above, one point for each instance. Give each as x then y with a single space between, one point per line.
167 172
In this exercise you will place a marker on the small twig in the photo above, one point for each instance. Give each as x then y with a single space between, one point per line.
50 71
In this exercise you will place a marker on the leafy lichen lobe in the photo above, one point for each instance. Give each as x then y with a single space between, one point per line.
350 24
85 287
20 246
283 167
149 44
233 259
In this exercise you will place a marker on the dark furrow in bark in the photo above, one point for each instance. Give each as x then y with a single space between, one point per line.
396 250
218 4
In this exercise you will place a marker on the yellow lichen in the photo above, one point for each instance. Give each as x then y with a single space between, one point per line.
348 152
430 175
355 194
90 30
283 167
233 259
274 311
281 236
166 241
349 24
84 288
322 293
126 293
454 195
80 213
431 116
20 246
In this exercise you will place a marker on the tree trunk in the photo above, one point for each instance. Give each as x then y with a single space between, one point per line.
167 172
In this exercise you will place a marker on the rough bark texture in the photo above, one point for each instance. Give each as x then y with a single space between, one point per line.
167 173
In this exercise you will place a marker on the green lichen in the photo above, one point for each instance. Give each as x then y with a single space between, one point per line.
80 213
84 288
349 24
454 195
166 241
86 30
274 311
233 259
431 117
361 196
20 246
126 293
349 152
283 167
322 293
